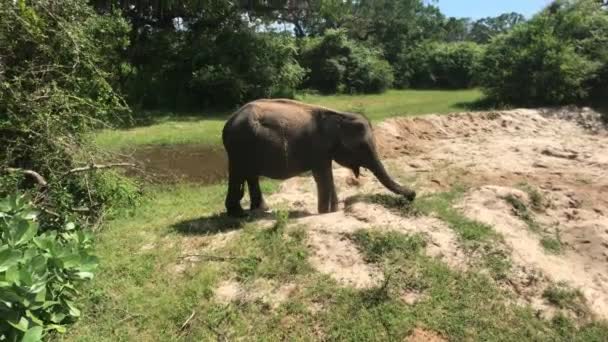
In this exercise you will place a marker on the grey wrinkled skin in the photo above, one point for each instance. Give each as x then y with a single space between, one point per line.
280 139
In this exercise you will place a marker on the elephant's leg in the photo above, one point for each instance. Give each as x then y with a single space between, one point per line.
255 194
236 191
325 189
333 205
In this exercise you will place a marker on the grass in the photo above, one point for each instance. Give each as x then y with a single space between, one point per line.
537 201
138 296
564 297
167 130
442 206
521 210
399 102
205 129
551 244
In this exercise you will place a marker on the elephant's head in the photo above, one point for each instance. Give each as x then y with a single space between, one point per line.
354 147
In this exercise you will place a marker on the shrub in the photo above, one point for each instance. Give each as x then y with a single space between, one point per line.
555 58
41 269
439 65
221 65
55 86
338 64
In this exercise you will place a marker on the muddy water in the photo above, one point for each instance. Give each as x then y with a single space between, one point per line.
183 163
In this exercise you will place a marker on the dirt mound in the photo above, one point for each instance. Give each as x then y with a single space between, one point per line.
553 161
582 269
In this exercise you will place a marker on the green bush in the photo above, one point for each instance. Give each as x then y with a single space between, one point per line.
41 269
56 84
555 58
439 65
220 65
338 64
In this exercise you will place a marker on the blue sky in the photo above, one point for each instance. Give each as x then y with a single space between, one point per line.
490 8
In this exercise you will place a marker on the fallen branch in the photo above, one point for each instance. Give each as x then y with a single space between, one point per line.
217 257
39 179
97 167
188 321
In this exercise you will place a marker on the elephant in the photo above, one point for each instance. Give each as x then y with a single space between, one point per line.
281 138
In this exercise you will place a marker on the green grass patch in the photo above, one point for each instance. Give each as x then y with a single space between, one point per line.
399 102
206 128
442 206
275 253
521 210
397 204
376 245
168 130
537 201
565 297
551 244
137 296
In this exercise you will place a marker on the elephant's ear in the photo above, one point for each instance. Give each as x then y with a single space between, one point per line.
352 132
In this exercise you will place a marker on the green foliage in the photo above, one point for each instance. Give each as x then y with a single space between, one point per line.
551 244
441 205
56 84
439 65
483 30
39 272
557 57
564 297
219 61
339 64
537 201
520 209
275 253
378 245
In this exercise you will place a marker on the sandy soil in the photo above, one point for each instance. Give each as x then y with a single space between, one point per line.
560 152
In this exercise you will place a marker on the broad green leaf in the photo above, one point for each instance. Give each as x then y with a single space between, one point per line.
25 277
8 258
22 324
32 335
12 275
44 242
30 215
25 231
74 312
85 275
57 317
71 260
58 328
33 318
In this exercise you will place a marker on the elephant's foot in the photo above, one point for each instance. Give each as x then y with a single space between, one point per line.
236 212
259 207
410 195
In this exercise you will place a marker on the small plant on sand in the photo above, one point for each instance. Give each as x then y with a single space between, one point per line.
398 204
442 206
521 210
537 201
551 244
565 297
376 245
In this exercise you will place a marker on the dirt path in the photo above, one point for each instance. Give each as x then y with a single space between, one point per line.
560 153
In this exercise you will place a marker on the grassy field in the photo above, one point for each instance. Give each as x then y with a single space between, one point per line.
149 290
161 265
205 128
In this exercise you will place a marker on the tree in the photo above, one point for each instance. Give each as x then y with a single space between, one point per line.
457 29
558 57
483 30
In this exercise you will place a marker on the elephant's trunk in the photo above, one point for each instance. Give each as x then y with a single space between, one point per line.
378 170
